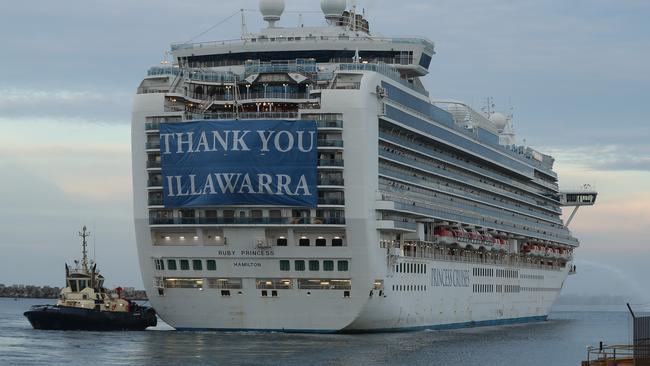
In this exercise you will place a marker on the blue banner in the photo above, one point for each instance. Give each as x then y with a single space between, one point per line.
253 162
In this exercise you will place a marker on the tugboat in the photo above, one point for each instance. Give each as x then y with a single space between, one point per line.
84 304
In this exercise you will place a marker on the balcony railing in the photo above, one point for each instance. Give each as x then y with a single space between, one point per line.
153 164
155 201
331 201
329 124
153 145
330 182
330 143
242 115
330 162
154 182
152 126
247 221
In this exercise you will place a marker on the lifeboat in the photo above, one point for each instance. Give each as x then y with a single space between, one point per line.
444 235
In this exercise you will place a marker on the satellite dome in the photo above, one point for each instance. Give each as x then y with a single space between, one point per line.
333 8
271 10
499 120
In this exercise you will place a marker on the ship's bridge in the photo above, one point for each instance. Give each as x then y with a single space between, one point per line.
345 39
581 196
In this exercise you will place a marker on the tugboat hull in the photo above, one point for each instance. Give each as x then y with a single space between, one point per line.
69 318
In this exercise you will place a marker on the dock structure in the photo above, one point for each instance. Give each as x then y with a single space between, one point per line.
636 354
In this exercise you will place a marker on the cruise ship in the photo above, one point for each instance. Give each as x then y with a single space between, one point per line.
302 179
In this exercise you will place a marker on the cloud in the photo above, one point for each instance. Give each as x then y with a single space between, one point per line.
90 105
606 157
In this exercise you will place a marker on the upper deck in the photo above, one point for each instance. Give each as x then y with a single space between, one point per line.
343 41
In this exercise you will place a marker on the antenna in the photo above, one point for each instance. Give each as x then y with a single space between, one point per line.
84 261
244 30
94 244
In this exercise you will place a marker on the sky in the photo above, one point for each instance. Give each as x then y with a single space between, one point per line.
574 72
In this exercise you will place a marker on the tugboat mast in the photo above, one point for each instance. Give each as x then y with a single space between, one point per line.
84 234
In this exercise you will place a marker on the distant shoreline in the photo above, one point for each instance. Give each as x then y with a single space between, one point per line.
48 292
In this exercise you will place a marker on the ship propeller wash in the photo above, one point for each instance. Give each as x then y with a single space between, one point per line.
301 179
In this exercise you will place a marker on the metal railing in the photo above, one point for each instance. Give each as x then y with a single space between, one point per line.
331 201
247 221
330 182
330 162
606 355
330 143
154 164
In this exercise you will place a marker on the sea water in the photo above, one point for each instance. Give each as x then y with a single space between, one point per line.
561 340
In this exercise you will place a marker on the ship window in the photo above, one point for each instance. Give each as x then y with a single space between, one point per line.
337 242
197 265
285 265
343 265
281 242
159 264
314 266
303 242
328 265
171 264
185 265
299 265
321 242
225 293
211 264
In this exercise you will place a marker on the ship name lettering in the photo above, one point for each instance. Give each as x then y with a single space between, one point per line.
256 253
247 264
446 277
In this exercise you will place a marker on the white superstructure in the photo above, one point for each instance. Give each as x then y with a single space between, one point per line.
428 216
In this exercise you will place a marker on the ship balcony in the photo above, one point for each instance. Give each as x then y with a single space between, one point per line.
153 146
152 127
330 163
155 202
247 221
331 201
154 183
325 182
335 125
153 165
330 144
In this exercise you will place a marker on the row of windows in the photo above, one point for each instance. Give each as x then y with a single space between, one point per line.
511 288
490 288
482 288
314 265
531 276
411 268
539 289
409 287
483 272
305 242
507 273
184 264
260 283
